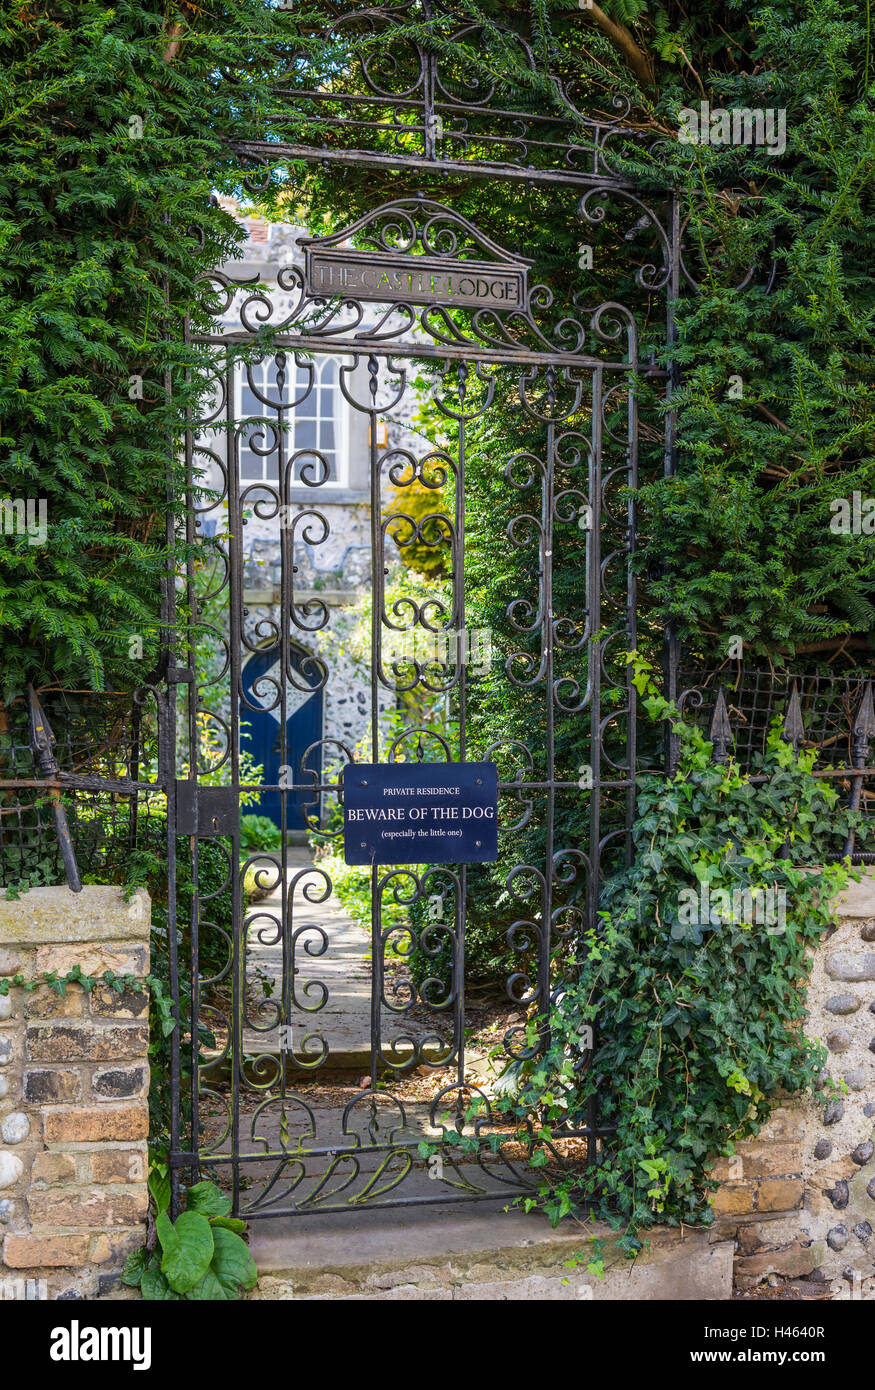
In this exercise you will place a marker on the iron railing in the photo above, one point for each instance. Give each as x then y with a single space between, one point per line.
831 714
77 767
76 770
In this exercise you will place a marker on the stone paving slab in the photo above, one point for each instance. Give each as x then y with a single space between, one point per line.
478 1252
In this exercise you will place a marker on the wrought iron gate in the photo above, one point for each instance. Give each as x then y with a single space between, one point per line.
425 330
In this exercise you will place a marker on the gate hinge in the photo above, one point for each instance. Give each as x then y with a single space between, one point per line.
206 810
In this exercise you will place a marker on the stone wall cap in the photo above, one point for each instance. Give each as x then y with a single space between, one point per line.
858 899
56 915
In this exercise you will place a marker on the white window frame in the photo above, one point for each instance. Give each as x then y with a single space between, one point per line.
264 373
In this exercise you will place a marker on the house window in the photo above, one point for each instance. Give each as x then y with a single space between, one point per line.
306 416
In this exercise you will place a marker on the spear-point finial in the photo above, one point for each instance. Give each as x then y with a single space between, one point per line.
720 732
863 728
794 727
42 743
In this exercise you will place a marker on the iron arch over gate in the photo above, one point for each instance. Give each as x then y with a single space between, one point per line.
435 325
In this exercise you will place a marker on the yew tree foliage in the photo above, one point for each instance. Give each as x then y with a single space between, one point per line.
97 267
743 533
739 543
97 272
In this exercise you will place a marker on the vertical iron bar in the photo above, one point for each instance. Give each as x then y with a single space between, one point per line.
235 592
862 731
428 87
192 713
671 657
134 772
794 732
286 623
632 599
462 647
595 656
167 757
377 577
594 581
550 718
376 974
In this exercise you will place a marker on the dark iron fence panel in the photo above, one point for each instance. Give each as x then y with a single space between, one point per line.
78 775
833 715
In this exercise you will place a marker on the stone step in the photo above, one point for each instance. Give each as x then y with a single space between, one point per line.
481 1251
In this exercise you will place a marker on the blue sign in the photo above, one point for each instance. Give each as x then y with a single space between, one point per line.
420 813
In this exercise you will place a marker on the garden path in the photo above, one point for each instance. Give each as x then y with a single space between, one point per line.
330 952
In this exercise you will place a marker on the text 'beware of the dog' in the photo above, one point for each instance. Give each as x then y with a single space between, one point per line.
420 813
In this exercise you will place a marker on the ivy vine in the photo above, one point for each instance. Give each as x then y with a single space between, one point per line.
687 1033
161 998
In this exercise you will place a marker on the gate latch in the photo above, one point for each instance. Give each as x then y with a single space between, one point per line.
206 810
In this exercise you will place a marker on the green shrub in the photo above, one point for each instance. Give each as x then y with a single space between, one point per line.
259 833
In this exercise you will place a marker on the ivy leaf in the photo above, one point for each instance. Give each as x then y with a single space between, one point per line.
737 1081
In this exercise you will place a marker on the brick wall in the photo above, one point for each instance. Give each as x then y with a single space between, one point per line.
800 1198
74 1077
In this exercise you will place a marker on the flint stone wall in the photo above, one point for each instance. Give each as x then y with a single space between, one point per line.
800 1198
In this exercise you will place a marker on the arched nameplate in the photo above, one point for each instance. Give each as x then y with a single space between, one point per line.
414 251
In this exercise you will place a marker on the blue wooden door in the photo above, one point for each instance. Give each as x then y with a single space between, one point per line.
261 735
